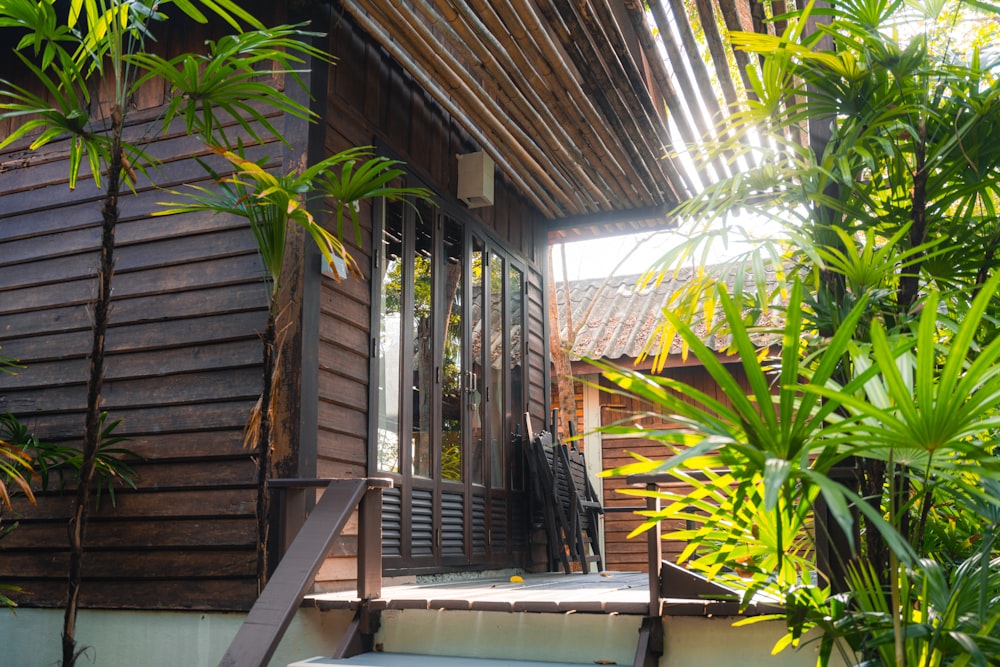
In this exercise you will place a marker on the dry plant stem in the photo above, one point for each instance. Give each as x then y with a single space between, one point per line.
909 281
95 381
263 445
895 604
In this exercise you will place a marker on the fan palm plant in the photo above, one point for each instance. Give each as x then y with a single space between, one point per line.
925 403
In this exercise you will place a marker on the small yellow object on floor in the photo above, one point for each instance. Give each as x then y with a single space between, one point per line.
515 579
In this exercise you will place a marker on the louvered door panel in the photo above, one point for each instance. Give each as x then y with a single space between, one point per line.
392 523
452 524
498 525
422 523
480 543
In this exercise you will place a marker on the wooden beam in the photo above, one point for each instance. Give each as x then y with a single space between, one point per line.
658 213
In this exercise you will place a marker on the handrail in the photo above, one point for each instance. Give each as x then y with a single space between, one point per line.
258 637
670 580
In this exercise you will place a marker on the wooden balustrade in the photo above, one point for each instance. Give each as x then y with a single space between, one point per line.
257 639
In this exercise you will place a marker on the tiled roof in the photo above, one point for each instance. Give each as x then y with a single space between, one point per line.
613 319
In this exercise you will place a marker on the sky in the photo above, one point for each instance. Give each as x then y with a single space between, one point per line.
599 258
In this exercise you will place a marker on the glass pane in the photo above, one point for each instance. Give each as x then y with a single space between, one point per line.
390 336
498 422
423 346
515 293
478 384
452 359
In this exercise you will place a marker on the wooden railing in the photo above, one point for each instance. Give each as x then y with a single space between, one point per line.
257 639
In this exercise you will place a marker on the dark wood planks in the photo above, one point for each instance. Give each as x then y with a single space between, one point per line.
183 373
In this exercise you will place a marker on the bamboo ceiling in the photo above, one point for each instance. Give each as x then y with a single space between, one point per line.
583 104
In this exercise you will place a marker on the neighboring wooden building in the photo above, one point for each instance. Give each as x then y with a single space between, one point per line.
614 321
386 376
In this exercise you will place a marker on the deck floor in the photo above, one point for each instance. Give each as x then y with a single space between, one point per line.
604 593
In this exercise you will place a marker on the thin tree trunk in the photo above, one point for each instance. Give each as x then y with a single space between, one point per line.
560 356
95 381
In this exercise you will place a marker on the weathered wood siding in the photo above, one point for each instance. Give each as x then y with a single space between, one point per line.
622 553
183 370
371 101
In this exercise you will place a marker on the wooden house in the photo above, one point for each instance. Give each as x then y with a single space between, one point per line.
614 322
419 372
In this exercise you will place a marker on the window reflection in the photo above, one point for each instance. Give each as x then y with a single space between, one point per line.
390 263
448 351
423 334
452 359
515 294
496 360
477 386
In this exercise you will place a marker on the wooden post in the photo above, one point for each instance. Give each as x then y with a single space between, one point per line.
370 544
655 553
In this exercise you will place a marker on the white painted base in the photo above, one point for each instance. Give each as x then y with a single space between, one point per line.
155 639
193 639
414 660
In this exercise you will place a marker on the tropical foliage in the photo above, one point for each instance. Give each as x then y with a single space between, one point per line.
866 147
25 459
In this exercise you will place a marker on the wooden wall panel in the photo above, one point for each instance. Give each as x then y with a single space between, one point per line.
622 553
183 373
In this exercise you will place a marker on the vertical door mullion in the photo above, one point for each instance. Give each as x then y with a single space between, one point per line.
406 386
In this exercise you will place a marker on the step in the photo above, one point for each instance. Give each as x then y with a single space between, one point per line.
416 660
547 638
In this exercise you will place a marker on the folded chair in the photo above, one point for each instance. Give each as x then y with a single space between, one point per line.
565 500
583 505
544 468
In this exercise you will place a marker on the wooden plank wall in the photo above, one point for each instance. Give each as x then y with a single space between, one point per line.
371 101
621 553
184 370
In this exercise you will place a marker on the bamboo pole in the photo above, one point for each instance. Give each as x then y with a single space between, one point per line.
533 190
408 28
677 179
525 28
654 60
597 82
680 66
697 65
734 23
601 21
699 69
533 111
717 49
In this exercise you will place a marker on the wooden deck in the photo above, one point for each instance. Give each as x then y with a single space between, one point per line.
554 593
605 593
